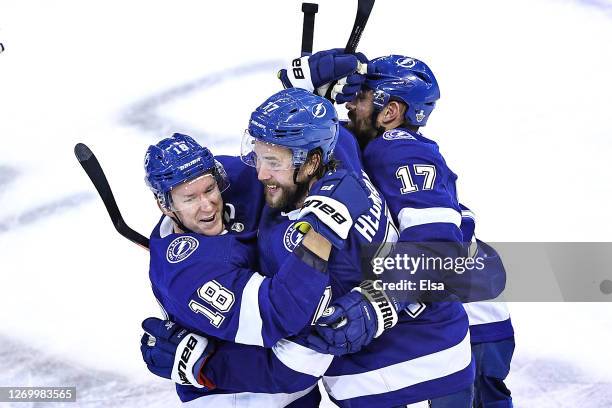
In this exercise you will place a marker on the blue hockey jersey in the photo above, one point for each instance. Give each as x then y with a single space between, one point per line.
210 285
427 354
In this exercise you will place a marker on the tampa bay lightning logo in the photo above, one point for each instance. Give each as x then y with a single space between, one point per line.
396 134
292 238
319 110
181 248
406 62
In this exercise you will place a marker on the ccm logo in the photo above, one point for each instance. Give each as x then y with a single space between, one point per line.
326 209
185 356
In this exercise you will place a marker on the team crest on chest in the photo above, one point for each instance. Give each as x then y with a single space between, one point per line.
292 238
181 248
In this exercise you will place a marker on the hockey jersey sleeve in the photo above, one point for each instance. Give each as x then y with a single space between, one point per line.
214 291
287 367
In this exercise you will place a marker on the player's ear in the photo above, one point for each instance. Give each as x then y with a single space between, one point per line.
392 112
310 167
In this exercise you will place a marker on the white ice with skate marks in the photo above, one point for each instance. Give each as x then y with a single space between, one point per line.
523 120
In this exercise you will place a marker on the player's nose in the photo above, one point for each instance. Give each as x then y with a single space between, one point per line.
206 204
263 173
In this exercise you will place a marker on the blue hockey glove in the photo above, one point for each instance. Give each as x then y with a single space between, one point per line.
334 203
316 73
353 321
173 352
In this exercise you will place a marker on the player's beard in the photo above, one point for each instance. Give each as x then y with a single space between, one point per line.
286 196
363 128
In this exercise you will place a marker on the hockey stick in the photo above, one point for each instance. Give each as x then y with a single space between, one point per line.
364 8
309 10
92 167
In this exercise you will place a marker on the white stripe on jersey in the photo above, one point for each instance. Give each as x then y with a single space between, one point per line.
246 400
302 359
250 324
468 214
411 217
486 312
401 375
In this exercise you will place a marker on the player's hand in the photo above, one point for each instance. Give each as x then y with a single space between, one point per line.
334 203
353 321
173 352
345 327
318 71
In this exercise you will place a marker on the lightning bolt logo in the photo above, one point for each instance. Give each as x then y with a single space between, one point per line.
181 248
319 110
406 62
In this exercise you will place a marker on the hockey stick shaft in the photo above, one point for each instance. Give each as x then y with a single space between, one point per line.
364 8
309 10
92 167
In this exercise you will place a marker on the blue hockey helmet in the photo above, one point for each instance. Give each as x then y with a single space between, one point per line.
175 160
296 119
405 79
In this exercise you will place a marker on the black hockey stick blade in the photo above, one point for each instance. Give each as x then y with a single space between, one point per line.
364 8
92 167
309 10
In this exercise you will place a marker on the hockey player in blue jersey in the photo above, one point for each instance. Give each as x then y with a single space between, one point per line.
397 96
426 355
204 277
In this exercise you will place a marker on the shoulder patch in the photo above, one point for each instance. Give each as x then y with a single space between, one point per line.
292 238
395 134
181 248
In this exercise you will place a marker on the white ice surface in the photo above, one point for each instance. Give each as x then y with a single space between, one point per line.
523 119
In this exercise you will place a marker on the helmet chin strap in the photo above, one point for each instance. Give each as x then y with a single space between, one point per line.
379 129
302 188
179 223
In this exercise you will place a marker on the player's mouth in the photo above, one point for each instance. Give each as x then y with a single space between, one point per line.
272 188
208 219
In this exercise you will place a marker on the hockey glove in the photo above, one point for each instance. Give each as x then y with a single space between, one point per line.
353 321
173 352
334 203
318 71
